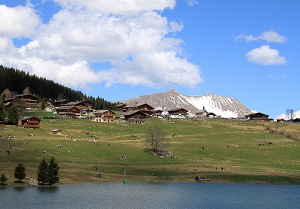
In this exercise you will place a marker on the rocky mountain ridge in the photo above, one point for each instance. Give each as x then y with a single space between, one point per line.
222 106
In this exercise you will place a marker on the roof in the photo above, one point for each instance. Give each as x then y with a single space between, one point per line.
26 118
104 111
133 112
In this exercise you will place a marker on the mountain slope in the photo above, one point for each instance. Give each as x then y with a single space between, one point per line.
222 106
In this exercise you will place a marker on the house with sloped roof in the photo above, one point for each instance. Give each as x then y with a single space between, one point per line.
107 116
30 122
136 116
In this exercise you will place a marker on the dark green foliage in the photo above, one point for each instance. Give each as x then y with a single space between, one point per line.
2 111
53 172
13 115
48 173
16 80
20 172
3 179
42 174
43 106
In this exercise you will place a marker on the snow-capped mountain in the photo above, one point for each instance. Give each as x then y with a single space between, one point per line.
221 106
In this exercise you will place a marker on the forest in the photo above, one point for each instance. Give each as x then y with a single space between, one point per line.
15 81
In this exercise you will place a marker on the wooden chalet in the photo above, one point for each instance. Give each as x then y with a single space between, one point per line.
156 113
146 108
121 107
178 112
280 120
136 116
68 111
104 116
58 103
30 122
81 105
22 101
257 116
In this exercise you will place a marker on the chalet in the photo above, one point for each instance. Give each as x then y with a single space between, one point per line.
81 105
257 116
30 122
180 112
69 111
104 116
121 107
145 108
62 102
136 116
23 101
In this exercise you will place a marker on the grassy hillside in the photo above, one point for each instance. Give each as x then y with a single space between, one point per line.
247 151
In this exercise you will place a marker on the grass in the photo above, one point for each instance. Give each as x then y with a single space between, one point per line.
201 147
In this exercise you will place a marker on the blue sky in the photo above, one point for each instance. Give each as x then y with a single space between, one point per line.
118 49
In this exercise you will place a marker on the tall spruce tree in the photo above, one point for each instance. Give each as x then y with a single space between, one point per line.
43 172
20 172
13 115
53 175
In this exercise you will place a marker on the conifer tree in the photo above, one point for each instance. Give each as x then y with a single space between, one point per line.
20 172
53 175
42 174
13 115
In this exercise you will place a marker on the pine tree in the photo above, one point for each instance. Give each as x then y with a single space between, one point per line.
53 175
43 106
20 172
42 174
3 179
13 115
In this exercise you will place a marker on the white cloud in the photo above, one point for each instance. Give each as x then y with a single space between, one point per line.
192 2
120 7
17 22
66 48
265 55
268 36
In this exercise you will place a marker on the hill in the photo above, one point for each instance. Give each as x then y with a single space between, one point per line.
247 151
225 107
16 81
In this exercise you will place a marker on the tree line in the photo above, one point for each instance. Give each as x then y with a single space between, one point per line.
16 81
47 174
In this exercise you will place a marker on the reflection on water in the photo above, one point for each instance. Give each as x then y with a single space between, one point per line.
152 195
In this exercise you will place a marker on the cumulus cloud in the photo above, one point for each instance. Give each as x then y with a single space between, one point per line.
17 22
131 36
120 7
268 36
265 55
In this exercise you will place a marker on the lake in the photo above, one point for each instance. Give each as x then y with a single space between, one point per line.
152 195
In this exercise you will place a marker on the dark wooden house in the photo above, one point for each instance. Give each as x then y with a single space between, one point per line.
69 111
30 122
136 116
23 101
178 112
257 116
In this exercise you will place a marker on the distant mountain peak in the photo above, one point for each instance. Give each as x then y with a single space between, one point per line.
222 106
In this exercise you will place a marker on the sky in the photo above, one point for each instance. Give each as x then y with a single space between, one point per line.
121 49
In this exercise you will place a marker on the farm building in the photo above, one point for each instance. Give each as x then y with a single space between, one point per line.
30 122
136 116
104 116
257 116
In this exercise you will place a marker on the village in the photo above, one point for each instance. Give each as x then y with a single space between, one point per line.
136 114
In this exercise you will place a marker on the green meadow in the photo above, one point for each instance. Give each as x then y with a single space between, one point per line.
223 150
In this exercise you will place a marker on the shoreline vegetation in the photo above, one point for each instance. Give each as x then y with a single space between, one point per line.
221 150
